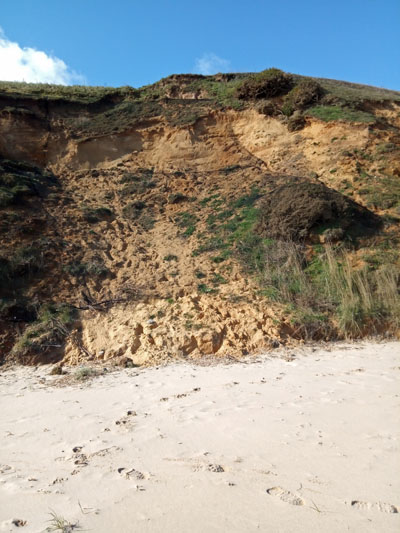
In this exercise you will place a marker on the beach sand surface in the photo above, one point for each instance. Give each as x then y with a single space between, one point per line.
305 440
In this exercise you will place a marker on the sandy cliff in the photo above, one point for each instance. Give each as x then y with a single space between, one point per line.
125 233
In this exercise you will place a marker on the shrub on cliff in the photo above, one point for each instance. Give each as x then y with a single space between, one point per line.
296 121
296 208
266 84
305 94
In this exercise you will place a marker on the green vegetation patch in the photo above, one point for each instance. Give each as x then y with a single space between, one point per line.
83 94
229 225
203 288
384 256
208 199
19 181
171 257
25 262
187 221
218 279
211 244
223 256
225 92
335 112
381 192
218 91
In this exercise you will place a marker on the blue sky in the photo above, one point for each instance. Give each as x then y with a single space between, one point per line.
127 42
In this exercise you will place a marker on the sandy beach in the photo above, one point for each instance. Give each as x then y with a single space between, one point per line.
304 440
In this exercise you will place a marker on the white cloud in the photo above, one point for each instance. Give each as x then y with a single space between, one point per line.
30 65
211 64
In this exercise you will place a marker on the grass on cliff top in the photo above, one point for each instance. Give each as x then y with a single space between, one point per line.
83 94
118 109
354 92
220 88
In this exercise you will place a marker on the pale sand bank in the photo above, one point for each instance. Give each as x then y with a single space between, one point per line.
308 445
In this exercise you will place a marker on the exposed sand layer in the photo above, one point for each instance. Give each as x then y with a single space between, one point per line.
305 441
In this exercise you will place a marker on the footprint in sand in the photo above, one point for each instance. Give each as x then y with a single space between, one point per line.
181 395
286 496
232 384
80 459
375 506
16 522
6 469
127 421
215 468
58 480
133 474
105 451
208 468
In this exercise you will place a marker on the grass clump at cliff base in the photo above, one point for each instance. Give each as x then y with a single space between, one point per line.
47 332
327 296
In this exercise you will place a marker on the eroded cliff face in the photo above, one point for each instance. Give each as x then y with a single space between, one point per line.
130 235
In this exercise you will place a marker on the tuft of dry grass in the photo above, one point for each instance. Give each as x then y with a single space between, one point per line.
59 523
328 295
49 331
364 299
83 373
